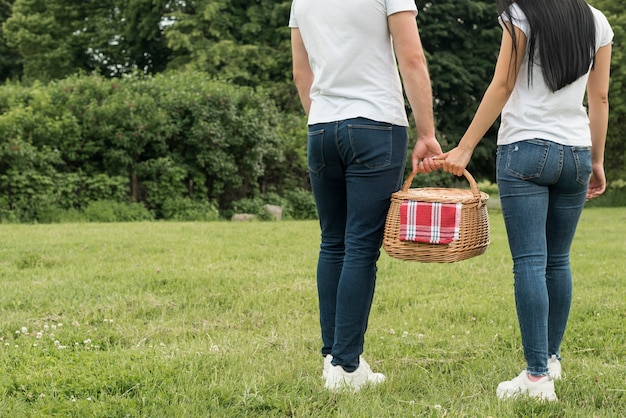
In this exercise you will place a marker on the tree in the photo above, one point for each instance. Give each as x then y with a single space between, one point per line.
10 62
57 38
43 38
243 42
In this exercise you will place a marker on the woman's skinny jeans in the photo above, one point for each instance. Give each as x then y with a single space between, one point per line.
543 187
354 165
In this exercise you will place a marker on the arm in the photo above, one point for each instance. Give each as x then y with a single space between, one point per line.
416 81
598 101
302 73
491 105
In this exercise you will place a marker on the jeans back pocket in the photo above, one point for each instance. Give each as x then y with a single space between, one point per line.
371 144
527 159
315 150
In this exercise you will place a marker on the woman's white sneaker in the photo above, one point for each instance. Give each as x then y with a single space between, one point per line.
542 389
338 379
554 368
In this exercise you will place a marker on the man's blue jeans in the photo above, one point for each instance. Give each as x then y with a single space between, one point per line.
354 165
543 187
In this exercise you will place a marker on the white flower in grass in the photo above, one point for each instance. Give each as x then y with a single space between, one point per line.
24 330
87 341
46 327
405 334
57 343
214 348
392 331
60 324
420 336
39 335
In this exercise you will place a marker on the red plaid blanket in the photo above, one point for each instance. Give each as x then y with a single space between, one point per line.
434 223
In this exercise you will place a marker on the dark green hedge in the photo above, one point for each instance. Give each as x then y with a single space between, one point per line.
175 142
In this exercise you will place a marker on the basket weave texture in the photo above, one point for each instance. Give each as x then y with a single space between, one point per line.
474 225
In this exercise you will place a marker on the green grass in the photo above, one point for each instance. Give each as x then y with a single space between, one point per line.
220 320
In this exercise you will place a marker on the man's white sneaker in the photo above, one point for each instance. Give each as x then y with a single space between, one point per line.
554 368
338 379
327 364
543 389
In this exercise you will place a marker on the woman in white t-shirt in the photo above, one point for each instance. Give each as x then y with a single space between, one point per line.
345 70
549 161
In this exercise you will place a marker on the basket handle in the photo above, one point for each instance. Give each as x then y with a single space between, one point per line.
468 176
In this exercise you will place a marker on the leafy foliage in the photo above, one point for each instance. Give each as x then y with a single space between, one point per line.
57 38
138 139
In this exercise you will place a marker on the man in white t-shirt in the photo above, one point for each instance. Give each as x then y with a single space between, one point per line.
345 70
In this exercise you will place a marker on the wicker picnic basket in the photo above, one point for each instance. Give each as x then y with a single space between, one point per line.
474 224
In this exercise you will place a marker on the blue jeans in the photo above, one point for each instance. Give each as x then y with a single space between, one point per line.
543 187
354 165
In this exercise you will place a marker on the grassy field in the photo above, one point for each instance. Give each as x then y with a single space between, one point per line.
220 320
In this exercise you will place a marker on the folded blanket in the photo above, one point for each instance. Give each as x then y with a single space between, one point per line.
431 222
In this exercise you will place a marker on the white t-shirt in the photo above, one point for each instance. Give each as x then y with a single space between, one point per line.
536 112
351 55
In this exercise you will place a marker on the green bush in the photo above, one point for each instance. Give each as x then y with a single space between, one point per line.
177 136
184 209
253 206
55 214
111 211
300 204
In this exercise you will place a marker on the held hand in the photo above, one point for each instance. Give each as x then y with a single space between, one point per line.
455 160
425 149
597 182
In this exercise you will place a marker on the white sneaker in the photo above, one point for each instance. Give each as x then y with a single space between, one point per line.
523 386
554 367
327 364
338 379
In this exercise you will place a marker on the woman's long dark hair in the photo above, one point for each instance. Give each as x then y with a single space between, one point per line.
562 38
